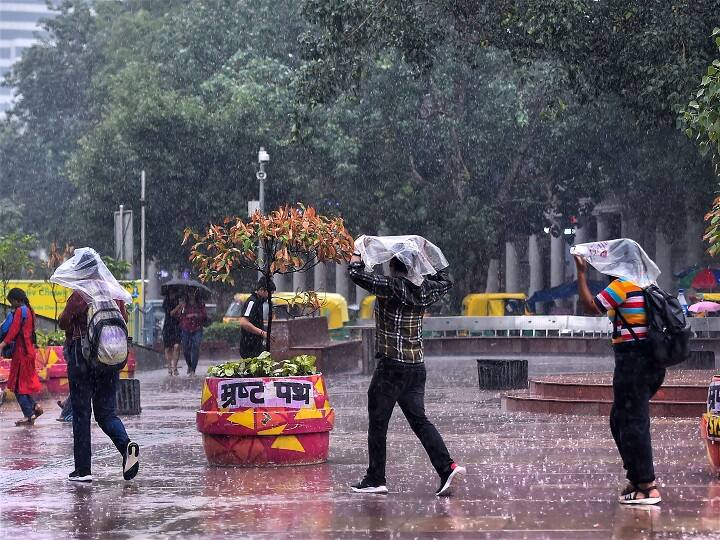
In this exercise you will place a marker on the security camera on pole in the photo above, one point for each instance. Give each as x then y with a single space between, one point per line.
261 175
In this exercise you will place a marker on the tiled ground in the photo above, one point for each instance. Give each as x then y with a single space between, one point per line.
530 476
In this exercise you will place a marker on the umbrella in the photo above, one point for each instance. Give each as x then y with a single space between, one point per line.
689 275
180 283
704 307
704 279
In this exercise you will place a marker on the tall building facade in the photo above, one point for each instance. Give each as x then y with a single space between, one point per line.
19 29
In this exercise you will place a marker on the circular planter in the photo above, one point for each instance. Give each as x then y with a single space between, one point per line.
52 369
710 425
265 421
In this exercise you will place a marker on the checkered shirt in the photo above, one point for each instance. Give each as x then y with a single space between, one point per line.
399 310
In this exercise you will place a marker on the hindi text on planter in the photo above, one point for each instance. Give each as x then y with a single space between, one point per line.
244 393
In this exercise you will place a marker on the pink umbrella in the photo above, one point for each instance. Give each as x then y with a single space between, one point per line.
704 307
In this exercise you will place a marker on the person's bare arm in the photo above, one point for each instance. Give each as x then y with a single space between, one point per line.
586 297
250 328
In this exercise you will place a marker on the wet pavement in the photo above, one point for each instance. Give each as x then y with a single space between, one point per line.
529 476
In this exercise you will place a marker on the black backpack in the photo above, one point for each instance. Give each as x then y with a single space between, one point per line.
667 327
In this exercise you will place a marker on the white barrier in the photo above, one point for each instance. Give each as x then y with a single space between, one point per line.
539 325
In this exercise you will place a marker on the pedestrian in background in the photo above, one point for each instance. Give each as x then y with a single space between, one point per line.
253 331
19 335
171 330
193 317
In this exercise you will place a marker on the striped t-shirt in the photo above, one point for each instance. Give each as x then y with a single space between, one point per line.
629 299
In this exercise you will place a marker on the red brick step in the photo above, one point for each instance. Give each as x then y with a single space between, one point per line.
683 394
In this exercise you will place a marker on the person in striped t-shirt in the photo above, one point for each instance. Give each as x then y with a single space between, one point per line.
624 303
635 380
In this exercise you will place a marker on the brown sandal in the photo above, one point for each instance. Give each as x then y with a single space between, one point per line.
25 422
37 411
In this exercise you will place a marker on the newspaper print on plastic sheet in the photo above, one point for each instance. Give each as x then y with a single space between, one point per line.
622 258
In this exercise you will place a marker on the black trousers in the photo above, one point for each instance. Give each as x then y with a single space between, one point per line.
635 381
404 384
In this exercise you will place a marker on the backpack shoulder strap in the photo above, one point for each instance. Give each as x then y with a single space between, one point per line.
625 324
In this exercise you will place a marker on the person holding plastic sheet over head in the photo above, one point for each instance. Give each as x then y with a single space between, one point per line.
417 281
637 376
92 386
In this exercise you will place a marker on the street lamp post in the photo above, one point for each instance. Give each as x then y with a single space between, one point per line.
261 175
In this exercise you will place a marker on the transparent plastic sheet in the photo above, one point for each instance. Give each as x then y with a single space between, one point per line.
421 256
86 273
623 258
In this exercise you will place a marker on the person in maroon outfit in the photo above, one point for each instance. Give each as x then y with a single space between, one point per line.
193 317
23 379
92 388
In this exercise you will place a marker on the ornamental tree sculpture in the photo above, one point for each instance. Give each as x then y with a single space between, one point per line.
287 240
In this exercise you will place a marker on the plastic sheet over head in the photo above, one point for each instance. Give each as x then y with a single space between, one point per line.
623 258
420 256
86 273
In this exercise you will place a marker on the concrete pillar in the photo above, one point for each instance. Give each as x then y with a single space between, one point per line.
603 227
694 241
512 268
360 293
320 277
536 265
342 282
583 235
493 276
557 260
152 286
663 258
282 282
298 282
629 227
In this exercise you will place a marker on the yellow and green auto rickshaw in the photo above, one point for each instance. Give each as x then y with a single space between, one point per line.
332 305
494 304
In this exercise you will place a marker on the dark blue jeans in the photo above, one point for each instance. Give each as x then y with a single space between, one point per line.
635 381
27 404
95 390
191 348
404 384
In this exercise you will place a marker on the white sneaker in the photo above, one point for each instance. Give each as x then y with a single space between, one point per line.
78 477
131 461
368 487
446 483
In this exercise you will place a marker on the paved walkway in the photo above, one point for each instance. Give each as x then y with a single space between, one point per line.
529 476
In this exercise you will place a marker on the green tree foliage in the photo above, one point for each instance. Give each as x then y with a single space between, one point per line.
15 261
701 120
468 122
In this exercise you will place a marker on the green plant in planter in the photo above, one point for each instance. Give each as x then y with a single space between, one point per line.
264 366
50 339
228 332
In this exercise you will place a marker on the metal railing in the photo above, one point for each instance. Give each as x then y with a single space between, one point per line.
535 326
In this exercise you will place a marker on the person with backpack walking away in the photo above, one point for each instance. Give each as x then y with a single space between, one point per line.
19 336
95 351
638 375
416 282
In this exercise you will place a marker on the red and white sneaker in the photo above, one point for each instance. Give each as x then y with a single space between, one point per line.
446 481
